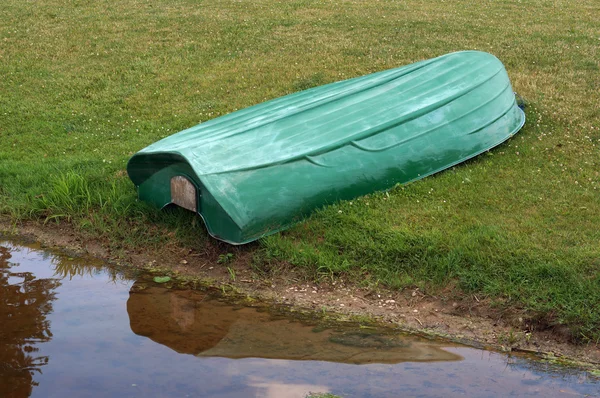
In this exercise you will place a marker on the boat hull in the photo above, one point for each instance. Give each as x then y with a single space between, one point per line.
261 169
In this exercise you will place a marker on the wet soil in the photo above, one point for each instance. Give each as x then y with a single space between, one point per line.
469 320
75 327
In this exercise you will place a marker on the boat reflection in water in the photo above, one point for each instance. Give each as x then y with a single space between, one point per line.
187 322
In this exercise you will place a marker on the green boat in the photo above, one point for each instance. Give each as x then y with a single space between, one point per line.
259 170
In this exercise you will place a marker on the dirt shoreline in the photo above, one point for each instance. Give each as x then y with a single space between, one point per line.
468 320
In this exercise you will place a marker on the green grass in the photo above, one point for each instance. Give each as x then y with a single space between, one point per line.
87 84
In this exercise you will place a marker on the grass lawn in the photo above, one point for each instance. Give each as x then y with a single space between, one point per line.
85 84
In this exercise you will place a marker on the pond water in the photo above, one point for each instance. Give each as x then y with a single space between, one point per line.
73 327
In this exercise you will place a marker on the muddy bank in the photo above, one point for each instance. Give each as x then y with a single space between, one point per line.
468 320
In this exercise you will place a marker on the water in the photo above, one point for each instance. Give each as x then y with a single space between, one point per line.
70 327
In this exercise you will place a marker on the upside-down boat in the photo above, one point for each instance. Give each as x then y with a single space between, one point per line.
258 170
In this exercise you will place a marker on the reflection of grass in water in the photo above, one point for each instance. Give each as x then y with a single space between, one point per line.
65 268
557 367
367 340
